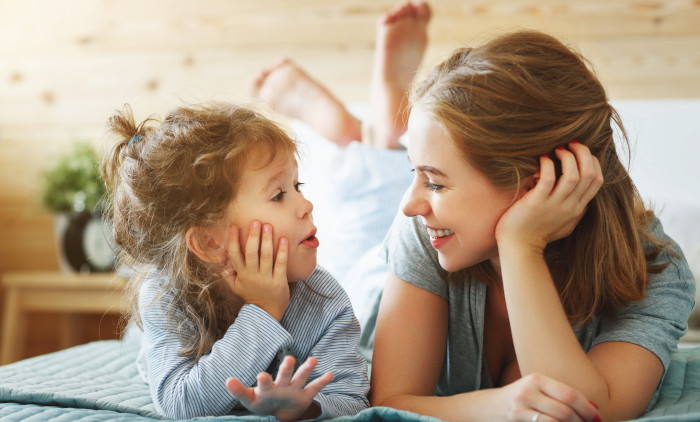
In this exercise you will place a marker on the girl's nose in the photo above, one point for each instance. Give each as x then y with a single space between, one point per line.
413 203
305 208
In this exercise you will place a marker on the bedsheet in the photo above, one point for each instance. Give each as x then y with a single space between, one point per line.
99 382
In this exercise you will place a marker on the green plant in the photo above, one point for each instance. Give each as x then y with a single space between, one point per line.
73 181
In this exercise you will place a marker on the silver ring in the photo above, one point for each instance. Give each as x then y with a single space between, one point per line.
536 416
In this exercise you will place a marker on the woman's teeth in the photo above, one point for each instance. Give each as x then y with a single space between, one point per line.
439 233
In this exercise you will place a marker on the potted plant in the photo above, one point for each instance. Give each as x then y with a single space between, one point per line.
74 191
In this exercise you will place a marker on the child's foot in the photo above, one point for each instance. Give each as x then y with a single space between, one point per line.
288 90
401 41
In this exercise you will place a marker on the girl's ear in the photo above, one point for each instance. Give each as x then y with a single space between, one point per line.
203 243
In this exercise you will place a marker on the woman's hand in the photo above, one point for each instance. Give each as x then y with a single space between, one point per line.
552 208
536 397
254 278
287 398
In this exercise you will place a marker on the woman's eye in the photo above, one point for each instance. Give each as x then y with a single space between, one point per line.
297 186
433 187
279 196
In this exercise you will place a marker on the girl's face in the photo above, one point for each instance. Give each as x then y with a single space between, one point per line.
458 205
271 195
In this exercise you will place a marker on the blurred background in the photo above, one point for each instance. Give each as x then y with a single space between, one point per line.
65 66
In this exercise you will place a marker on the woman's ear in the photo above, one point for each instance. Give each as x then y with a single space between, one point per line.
531 181
203 242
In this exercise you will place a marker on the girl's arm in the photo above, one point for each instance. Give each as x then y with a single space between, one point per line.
409 349
619 377
183 388
332 333
337 353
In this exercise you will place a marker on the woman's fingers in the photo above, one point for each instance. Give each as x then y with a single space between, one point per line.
567 404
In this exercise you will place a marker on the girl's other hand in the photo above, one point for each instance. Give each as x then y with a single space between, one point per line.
552 208
255 278
538 397
288 398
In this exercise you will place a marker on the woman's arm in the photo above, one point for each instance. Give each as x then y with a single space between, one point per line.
619 377
409 349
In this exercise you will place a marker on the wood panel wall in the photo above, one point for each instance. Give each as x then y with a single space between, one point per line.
66 65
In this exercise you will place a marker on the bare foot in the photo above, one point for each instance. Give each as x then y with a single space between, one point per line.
401 41
290 91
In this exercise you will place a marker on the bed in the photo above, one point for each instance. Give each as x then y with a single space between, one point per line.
99 381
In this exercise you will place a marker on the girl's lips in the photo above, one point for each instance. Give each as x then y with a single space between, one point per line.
311 240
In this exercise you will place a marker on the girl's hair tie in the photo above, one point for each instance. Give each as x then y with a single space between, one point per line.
134 140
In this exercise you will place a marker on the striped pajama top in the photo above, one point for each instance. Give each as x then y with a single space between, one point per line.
312 325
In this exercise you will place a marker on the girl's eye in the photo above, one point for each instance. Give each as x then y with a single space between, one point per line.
279 196
297 186
433 187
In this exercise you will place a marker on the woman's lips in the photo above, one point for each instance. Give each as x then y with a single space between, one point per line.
439 237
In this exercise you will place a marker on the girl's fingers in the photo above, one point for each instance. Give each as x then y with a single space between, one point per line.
266 250
304 371
284 374
318 384
252 246
265 382
280 270
240 392
234 248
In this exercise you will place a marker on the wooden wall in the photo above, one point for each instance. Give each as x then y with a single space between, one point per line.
66 65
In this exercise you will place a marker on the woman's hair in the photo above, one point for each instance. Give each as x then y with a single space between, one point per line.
522 95
168 177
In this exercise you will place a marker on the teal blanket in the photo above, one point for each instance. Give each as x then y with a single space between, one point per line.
99 382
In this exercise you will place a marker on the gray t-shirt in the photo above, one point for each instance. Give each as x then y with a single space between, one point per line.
655 323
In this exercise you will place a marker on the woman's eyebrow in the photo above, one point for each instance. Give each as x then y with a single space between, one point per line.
432 170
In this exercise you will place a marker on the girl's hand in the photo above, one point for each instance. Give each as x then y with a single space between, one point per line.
552 208
286 398
536 397
254 278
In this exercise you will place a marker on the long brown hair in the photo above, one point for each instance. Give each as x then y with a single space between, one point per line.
522 95
166 177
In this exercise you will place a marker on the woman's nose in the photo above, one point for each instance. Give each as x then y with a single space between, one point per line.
413 204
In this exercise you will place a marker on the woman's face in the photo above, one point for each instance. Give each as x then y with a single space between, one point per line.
458 205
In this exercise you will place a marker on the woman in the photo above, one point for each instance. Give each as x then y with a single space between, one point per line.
529 283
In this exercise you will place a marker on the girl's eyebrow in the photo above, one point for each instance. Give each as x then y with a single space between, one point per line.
274 179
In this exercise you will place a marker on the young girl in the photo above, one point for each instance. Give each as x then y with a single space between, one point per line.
529 282
210 200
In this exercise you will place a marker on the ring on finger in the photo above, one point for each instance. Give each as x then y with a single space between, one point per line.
536 416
